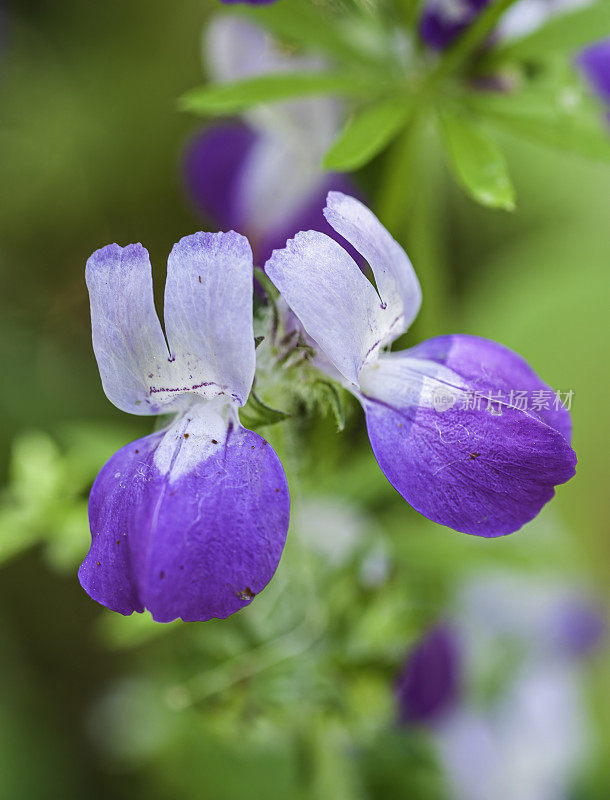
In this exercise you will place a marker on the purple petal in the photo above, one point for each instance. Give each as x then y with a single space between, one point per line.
594 61
430 682
442 21
193 543
213 164
476 471
488 366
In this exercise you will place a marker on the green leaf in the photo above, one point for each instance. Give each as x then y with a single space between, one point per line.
230 98
477 163
366 134
566 32
565 118
256 414
301 22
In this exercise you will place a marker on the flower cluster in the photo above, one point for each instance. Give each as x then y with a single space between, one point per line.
442 22
191 521
500 734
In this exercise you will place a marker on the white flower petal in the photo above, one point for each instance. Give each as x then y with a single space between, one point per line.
128 341
208 314
396 280
336 304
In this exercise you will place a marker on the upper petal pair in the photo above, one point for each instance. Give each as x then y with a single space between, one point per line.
337 305
208 320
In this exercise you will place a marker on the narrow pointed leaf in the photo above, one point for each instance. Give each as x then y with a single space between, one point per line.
300 22
477 163
562 118
566 32
366 134
230 98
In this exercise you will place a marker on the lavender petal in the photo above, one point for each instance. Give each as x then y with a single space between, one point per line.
197 541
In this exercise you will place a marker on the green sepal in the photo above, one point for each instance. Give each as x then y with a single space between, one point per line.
256 414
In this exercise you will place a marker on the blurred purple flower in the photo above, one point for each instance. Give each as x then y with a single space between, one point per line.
262 175
527 740
578 625
481 468
191 521
429 684
594 61
443 20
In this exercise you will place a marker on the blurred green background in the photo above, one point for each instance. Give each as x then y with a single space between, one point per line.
293 697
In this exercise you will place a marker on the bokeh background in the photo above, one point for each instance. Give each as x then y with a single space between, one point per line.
292 697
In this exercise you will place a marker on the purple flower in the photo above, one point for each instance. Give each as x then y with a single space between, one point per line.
529 743
548 619
594 61
577 626
429 684
527 737
262 175
191 521
443 20
484 468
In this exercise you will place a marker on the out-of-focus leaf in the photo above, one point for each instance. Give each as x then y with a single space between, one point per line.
477 163
566 32
256 414
366 134
121 633
231 98
333 767
563 117
300 22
